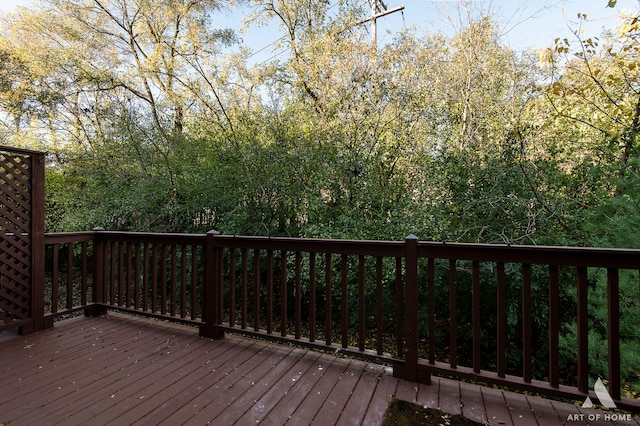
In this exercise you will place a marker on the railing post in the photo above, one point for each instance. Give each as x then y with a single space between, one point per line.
37 244
98 308
613 331
411 308
212 289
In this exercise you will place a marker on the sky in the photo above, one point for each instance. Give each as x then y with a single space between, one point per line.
526 25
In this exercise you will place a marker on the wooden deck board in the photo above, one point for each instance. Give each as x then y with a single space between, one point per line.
449 399
428 395
314 400
472 403
121 370
497 411
360 398
407 391
282 412
337 398
544 412
385 390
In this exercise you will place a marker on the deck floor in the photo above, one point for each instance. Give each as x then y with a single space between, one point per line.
123 370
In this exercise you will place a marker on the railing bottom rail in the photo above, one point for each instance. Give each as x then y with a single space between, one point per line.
516 383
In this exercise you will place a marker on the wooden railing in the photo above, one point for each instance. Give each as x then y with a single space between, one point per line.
490 313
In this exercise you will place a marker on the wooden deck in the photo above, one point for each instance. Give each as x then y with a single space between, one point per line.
123 370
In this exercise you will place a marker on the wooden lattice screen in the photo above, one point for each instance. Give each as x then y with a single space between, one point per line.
21 239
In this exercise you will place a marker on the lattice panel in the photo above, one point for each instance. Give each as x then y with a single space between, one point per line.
15 237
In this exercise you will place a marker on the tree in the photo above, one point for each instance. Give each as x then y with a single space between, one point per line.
112 86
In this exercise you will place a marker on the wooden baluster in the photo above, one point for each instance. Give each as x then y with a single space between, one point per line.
70 248
476 322
502 320
527 350
256 289
453 320
312 297
613 331
298 295
328 302
362 316
344 270
379 307
554 327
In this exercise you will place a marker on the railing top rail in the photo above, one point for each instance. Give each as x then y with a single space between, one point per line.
68 237
545 255
20 150
152 237
314 245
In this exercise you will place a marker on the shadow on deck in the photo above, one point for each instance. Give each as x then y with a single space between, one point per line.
120 369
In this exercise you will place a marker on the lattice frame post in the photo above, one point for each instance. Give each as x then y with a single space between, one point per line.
22 240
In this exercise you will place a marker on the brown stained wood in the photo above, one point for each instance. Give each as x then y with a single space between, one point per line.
308 409
247 389
69 265
344 311
432 310
362 309
527 320
428 395
22 260
476 309
164 276
183 281
244 292
312 297
379 327
407 391
360 399
34 356
335 401
59 378
449 397
495 405
519 409
117 369
283 411
232 287
80 388
502 320
283 294
256 290
582 321
269 291
328 300
472 403
613 331
544 412
215 371
298 295
228 376
386 389
554 326
280 391
143 395
564 411
453 312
